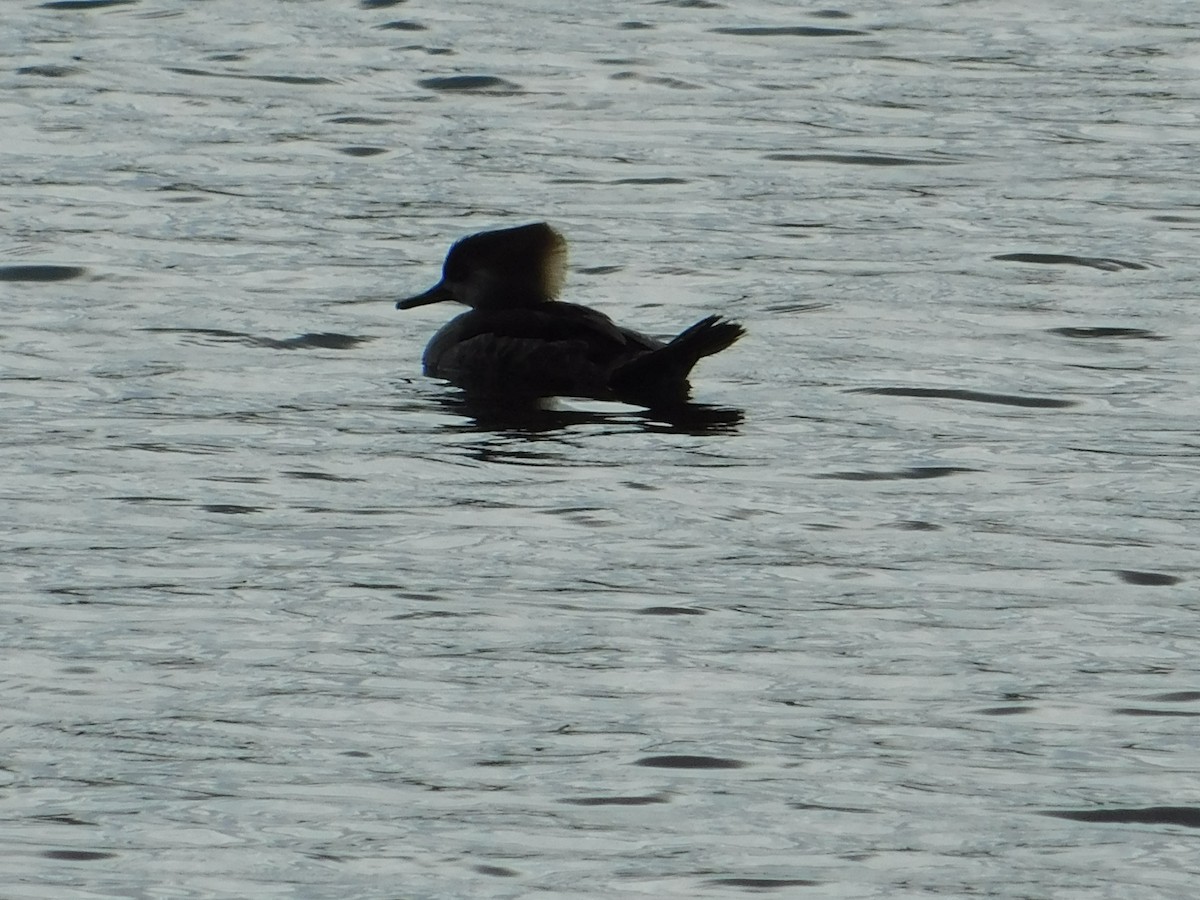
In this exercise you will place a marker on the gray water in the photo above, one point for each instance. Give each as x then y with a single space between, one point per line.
908 609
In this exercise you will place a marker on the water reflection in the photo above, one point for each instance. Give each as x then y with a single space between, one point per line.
531 416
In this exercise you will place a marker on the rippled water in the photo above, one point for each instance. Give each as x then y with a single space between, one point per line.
911 613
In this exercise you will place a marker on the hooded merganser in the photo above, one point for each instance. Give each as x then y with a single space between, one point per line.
516 340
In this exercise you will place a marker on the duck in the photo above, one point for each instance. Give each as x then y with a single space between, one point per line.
518 339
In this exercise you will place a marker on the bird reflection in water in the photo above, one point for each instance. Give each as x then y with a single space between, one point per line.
543 415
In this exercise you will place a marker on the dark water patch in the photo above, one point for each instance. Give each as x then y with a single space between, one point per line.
413 616
1004 710
358 120
1187 816
290 79
763 884
857 810
917 472
660 180
76 855
49 71
1176 697
231 509
787 31
322 340
380 4
1102 263
798 306
44 272
496 871
689 762
1007 59
1177 220
153 588
972 396
185 70
1136 367
1149 579
645 800
186 186
319 476
666 81
858 159
404 594
64 819
670 611
277 79
163 447
917 525
599 270
830 14
184 198
362 151
85 4
402 25
483 84
147 498
70 591
1140 334
635 26
1162 713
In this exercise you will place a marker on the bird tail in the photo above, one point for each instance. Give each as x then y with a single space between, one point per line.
661 375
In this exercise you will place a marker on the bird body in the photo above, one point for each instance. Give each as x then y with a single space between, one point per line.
518 340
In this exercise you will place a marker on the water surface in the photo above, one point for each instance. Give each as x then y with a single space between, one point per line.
907 608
